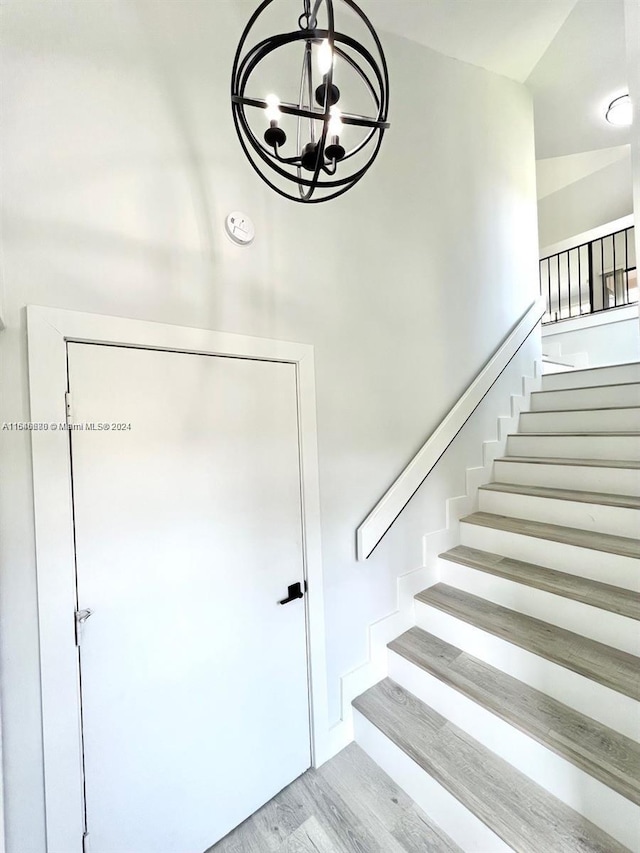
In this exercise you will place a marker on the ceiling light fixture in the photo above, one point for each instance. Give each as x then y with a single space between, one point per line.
312 142
620 112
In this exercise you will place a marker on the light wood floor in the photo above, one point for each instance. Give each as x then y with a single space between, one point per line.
349 805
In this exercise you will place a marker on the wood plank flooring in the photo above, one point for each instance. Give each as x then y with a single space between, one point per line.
620 545
615 599
597 749
519 811
349 805
611 667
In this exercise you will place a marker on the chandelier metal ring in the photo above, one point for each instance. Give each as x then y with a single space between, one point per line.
331 169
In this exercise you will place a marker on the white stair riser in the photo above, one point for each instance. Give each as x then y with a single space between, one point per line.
589 478
601 625
575 446
586 420
443 808
554 367
584 562
589 697
611 375
586 398
600 804
551 349
618 521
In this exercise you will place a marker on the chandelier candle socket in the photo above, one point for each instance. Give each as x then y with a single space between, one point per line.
319 146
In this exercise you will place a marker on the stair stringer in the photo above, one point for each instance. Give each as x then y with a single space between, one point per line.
408 584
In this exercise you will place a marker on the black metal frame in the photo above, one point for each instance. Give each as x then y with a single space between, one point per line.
373 73
598 298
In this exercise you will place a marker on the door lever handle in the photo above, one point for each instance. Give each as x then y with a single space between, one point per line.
295 592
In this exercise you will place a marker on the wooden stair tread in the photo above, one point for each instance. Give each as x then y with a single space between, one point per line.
519 811
602 752
615 599
575 434
597 367
610 667
585 387
559 460
621 545
579 409
627 501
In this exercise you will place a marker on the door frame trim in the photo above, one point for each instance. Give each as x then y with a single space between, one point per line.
49 330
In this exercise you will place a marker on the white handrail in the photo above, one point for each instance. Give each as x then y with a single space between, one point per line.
389 507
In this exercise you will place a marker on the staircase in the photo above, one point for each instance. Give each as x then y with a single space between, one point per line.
511 712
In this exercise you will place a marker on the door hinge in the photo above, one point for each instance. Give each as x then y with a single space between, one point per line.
67 406
80 617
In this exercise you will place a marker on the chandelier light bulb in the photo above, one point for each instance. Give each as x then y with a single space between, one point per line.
335 122
325 57
272 109
620 112
334 151
274 135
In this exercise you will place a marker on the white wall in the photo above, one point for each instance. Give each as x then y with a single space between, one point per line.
120 163
614 342
605 229
587 203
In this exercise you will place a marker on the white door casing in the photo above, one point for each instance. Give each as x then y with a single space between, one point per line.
49 332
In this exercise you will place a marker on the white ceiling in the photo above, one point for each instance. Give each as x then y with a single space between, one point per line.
580 74
505 36
556 173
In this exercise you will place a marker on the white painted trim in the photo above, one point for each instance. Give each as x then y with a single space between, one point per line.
590 321
375 668
49 329
587 236
380 633
382 516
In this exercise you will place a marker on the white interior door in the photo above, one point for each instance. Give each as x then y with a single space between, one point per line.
188 533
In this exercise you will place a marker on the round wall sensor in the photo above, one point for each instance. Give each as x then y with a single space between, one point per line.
240 228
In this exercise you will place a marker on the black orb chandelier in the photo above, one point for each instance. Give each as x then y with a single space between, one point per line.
318 144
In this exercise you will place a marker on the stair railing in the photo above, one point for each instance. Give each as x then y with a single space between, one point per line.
590 277
398 495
